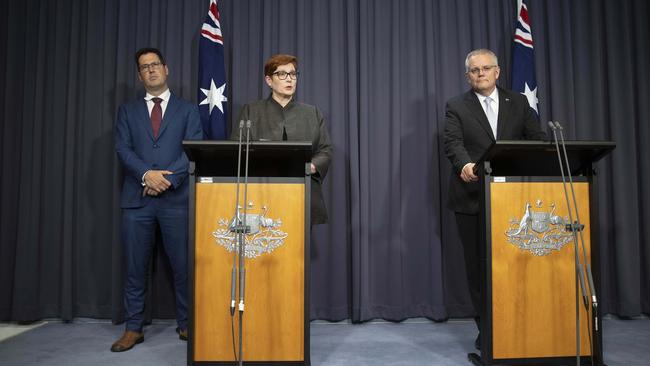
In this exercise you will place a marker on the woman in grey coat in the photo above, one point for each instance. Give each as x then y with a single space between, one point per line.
280 118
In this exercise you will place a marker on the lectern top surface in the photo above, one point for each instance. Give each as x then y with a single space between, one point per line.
265 158
540 157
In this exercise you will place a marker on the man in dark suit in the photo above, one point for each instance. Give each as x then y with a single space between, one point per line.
148 140
473 122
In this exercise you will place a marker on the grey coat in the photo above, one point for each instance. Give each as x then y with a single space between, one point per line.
300 122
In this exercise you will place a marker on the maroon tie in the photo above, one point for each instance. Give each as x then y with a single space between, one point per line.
156 116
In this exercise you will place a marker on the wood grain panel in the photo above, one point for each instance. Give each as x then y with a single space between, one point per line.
274 311
534 296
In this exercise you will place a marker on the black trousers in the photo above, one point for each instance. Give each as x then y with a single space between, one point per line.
468 228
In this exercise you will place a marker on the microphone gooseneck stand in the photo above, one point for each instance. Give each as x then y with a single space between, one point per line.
241 228
235 227
576 229
242 248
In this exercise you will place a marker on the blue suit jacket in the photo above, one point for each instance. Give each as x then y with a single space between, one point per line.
139 151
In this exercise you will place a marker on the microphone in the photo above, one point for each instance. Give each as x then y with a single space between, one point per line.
242 247
236 226
552 126
576 229
242 244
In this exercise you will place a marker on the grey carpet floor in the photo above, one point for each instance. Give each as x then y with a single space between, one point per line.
413 342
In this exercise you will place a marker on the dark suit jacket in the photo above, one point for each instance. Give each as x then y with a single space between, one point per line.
139 151
468 135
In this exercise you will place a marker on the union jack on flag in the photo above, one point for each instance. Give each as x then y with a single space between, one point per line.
523 58
212 77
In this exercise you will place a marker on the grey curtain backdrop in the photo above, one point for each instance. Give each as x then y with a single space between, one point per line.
380 70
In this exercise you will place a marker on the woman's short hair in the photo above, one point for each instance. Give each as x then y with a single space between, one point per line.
276 61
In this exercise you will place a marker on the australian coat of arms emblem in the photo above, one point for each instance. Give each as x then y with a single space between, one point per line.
539 232
263 233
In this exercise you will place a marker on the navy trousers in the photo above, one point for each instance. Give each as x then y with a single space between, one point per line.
138 235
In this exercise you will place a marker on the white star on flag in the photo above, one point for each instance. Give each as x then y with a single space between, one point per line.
214 96
531 95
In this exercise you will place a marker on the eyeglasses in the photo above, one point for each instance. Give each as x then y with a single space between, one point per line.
282 75
477 70
151 66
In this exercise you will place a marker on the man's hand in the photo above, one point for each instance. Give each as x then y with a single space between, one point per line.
467 174
146 191
313 168
155 180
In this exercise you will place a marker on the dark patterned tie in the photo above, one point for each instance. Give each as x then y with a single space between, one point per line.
156 116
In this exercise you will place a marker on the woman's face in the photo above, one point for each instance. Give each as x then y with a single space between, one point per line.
283 88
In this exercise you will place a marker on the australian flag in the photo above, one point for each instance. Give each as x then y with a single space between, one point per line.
212 77
523 58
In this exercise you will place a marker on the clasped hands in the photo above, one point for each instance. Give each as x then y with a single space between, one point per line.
468 174
155 182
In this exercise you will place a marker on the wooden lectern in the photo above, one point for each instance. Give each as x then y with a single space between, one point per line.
529 281
276 315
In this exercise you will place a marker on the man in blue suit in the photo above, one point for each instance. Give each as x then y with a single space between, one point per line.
148 140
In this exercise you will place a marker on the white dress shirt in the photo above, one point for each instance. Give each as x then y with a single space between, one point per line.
165 99
163 105
495 105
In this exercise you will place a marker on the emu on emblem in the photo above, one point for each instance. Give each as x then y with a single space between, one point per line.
263 236
539 232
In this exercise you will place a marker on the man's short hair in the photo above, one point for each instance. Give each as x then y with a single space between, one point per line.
480 51
146 50
275 61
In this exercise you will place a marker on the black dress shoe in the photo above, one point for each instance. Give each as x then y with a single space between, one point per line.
477 342
182 334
